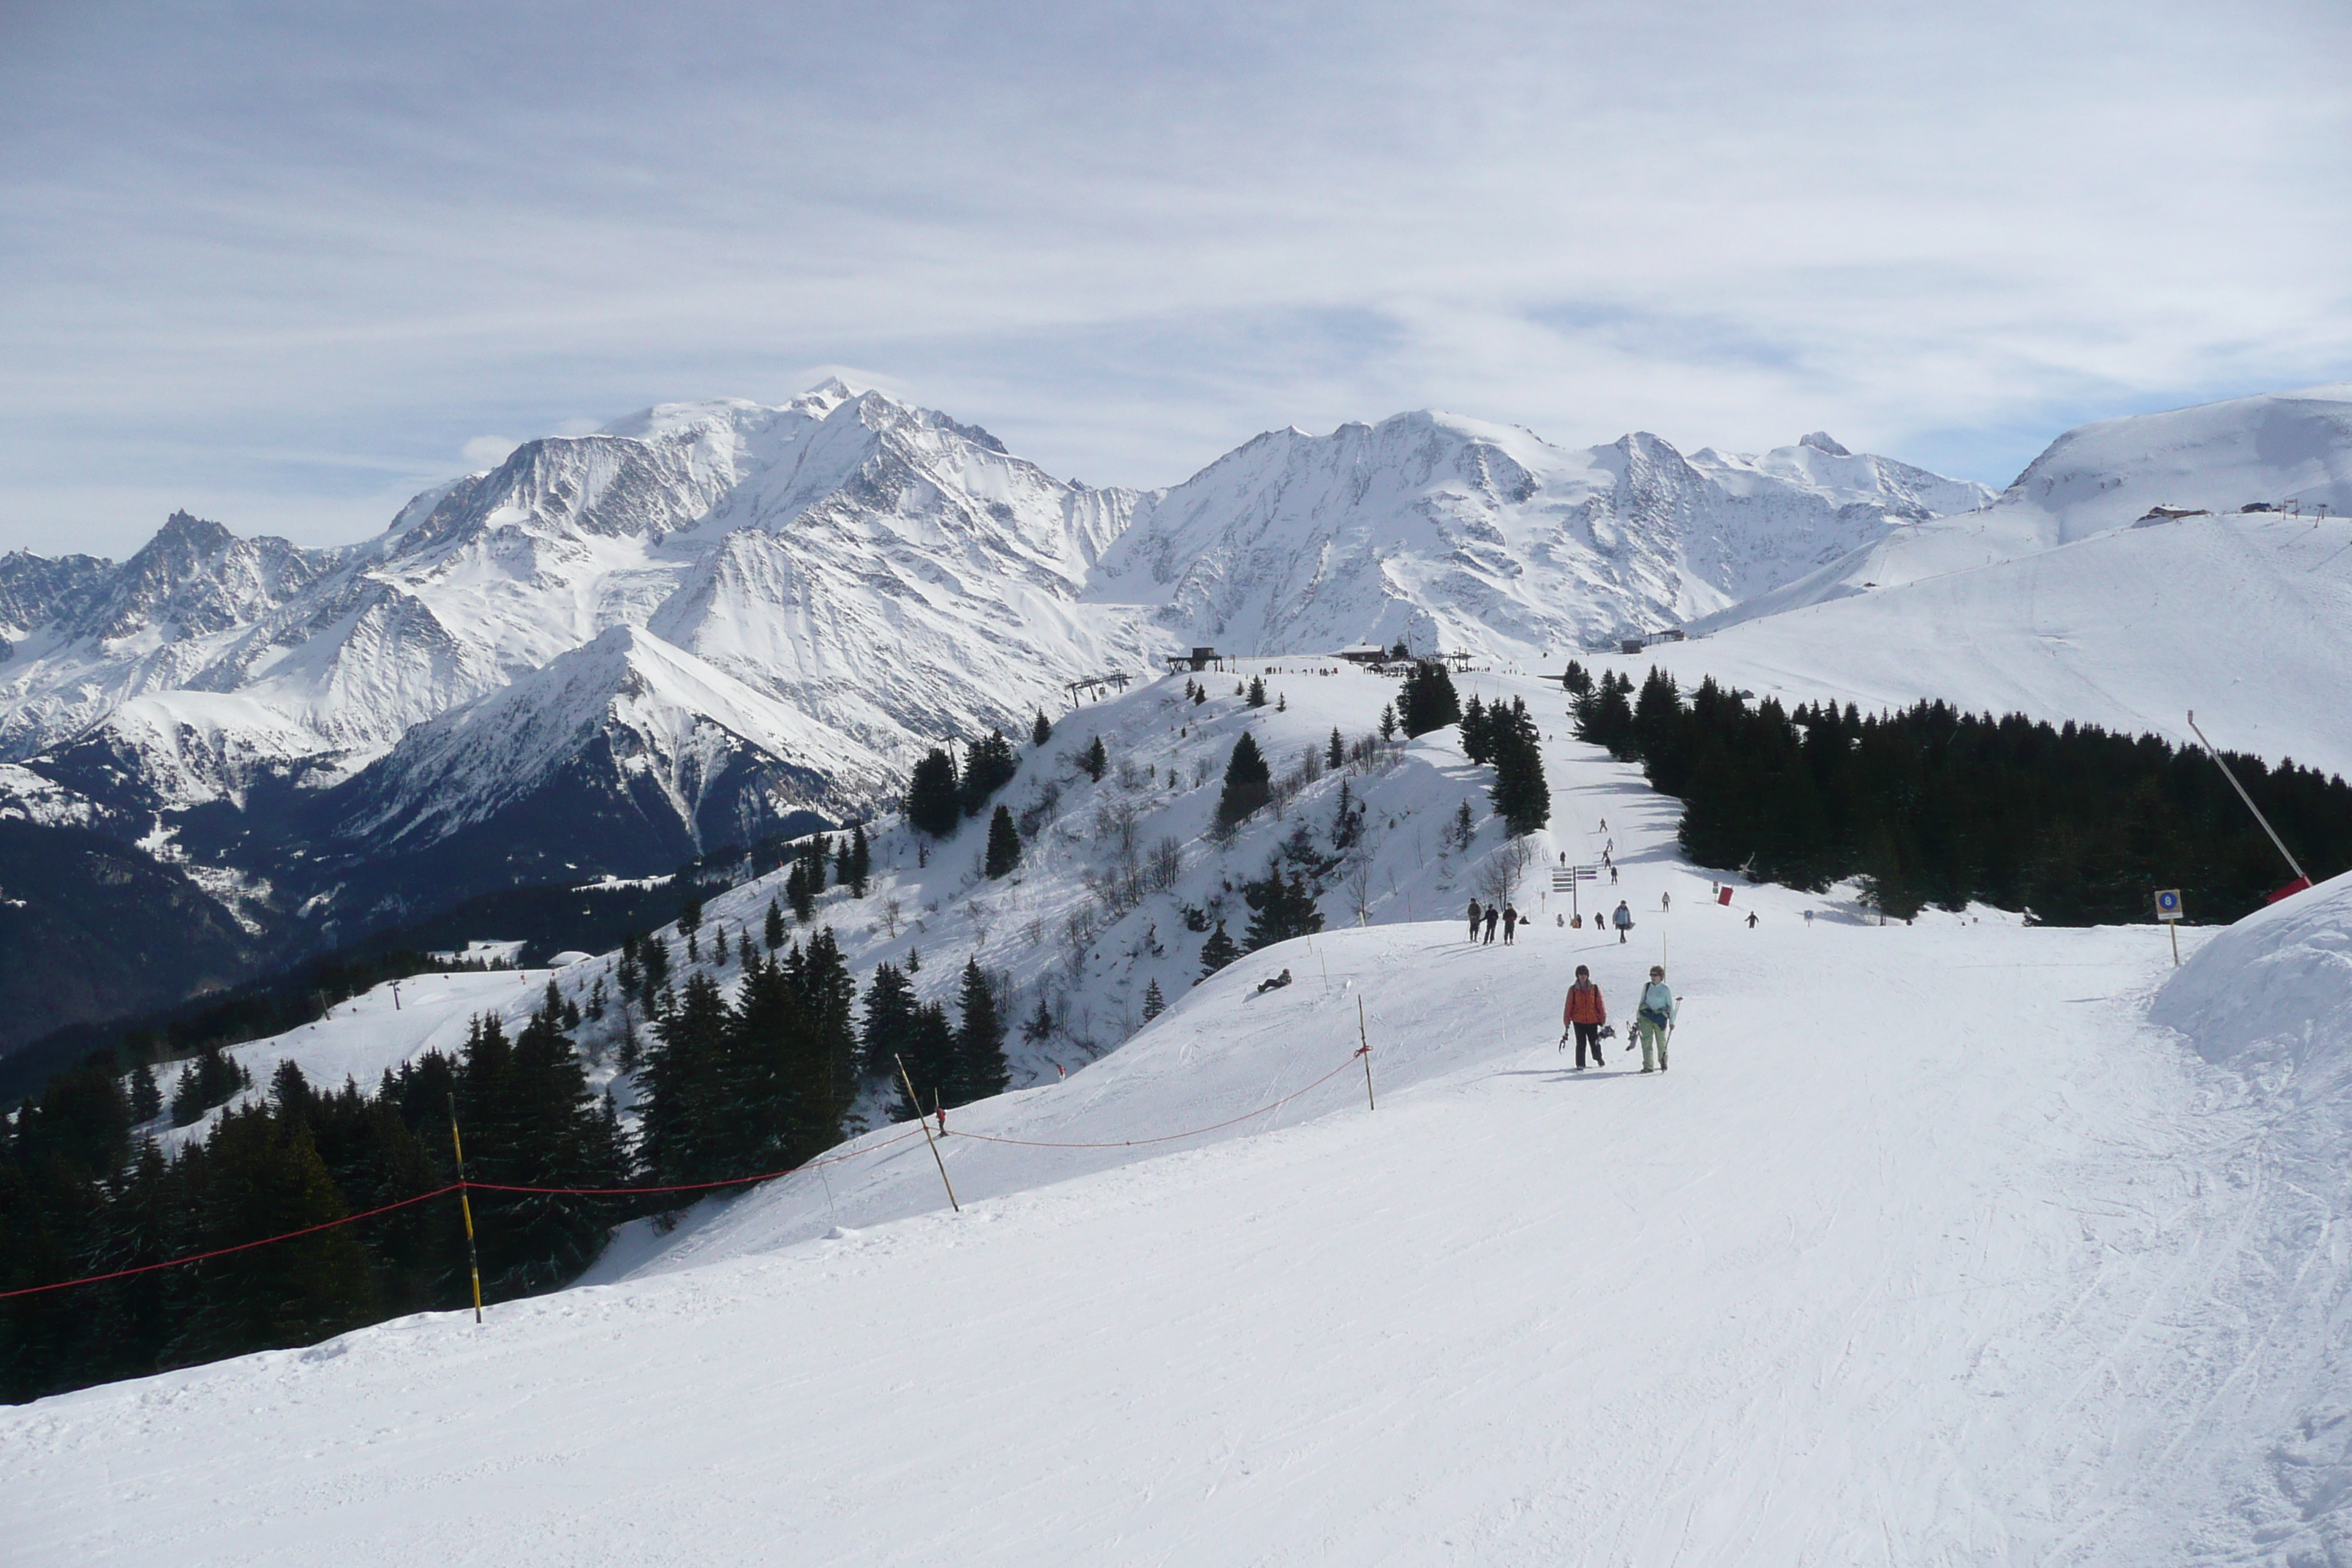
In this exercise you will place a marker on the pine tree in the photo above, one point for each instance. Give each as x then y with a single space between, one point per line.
1388 722
1465 827
1041 731
988 767
796 889
841 862
1522 797
932 804
146 1100
1428 700
681 1133
1040 1026
1248 784
1217 951
931 1061
1256 697
1003 844
979 1066
689 916
1094 761
1474 743
1347 819
1154 1002
829 995
1280 909
1336 752
889 1017
861 860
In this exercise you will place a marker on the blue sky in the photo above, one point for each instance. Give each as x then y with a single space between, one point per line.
285 265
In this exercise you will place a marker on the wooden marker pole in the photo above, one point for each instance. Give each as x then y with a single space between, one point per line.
925 1124
465 1207
1369 1103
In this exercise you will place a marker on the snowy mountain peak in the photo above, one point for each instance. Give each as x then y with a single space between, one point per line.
1820 441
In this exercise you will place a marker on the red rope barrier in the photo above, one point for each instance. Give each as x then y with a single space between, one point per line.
437 1193
683 1187
240 1246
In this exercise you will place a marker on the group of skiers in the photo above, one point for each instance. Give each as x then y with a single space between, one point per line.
1586 1016
1488 915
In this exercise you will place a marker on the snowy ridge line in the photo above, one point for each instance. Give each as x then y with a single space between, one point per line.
1172 1137
240 1246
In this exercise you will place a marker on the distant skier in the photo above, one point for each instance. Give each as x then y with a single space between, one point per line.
1613 875
1655 1016
1751 919
1583 1016
1493 915
1623 919
1511 923
1809 916
1476 914
1665 902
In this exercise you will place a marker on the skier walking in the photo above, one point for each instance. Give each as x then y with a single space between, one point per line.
1612 876
1655 1016
1751 919
1493 915
1623 919
1583 1016
1475 915
1511 923
1665 902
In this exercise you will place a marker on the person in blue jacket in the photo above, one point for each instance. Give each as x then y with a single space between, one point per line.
1623 919
1653 1016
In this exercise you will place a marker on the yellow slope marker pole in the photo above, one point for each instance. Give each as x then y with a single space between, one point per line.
465 1207
925 1124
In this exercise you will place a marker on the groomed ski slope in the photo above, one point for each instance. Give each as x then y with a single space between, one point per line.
1931 1248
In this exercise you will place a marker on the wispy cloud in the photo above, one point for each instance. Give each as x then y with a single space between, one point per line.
1129 236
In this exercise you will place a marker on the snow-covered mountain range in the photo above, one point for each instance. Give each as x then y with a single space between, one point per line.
715 622
1456 534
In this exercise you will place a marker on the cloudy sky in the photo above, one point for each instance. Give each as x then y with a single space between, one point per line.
285 265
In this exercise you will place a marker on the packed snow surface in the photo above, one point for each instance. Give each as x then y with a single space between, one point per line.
1930 1246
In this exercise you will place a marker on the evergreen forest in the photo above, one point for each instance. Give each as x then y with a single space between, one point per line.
2072 823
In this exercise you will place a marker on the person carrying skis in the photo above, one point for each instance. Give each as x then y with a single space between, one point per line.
1511 923
1493 915
1475 915
1623 919
1584 1015
1654 1016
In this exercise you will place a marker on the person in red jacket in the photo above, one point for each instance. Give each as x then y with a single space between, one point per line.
1584 1014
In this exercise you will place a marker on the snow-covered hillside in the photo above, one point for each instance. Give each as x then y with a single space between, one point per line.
1456 534
2240 618
2217 457
1930 1246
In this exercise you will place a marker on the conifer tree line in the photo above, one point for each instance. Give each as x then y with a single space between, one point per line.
1933 806
733 1081
79 1197
941 793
